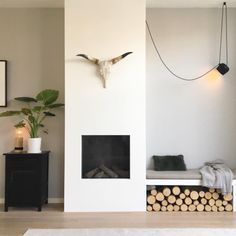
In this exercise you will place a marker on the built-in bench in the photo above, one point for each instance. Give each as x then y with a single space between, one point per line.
181 178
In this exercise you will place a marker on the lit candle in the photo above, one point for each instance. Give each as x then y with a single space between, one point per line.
18 140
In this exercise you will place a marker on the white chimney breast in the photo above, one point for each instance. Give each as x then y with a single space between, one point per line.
105 29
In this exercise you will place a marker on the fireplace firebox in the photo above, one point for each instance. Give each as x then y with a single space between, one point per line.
105 156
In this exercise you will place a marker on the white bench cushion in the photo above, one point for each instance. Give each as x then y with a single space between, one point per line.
188 174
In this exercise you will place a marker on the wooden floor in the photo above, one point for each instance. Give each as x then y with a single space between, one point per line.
17 221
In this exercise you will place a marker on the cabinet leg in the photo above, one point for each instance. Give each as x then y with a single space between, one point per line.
6 208
39 208
46 201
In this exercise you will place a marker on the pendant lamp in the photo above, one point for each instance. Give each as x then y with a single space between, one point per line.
221 67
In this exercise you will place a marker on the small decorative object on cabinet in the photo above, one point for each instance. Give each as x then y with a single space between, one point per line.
26 179
19 141
33 115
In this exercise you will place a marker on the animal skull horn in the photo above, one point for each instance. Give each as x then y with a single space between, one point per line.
104 66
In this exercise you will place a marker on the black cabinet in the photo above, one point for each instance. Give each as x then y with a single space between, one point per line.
26 179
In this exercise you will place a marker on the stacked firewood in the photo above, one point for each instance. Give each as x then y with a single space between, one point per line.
184 199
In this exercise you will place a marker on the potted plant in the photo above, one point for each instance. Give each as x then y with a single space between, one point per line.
33 115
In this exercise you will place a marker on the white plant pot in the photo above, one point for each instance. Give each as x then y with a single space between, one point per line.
34 145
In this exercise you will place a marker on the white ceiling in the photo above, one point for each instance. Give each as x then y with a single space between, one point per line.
188 3
32 3
149 3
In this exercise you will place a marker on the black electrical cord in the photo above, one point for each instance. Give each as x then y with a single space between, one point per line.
224 10
167 67
224 7
221 31
226 34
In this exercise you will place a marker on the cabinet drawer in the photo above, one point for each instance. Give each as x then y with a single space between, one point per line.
23 163
23 177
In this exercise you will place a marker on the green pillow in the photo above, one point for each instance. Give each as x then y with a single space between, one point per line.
165 163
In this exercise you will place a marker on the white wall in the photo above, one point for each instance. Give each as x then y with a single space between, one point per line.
104 29
32 40
197 119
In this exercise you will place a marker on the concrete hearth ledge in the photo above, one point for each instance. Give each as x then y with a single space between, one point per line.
132 232
188 174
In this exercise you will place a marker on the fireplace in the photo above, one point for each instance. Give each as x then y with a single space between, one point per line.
105 156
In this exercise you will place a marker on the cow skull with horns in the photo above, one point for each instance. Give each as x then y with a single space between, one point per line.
104 66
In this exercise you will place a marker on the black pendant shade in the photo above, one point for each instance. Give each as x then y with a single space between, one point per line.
222 68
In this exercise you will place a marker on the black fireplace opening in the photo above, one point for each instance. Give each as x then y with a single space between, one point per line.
106 156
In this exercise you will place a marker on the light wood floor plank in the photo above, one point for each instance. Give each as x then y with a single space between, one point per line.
17 221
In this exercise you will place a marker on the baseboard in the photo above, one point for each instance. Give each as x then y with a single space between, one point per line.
55 200
50 200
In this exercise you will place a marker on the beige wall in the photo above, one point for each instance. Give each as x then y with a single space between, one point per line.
32 40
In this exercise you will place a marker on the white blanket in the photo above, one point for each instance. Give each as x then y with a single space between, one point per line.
217 174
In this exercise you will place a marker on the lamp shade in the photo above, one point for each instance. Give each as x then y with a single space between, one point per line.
222 68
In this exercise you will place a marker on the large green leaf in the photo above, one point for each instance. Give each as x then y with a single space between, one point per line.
47 113
31 119
56 105
26 111
38 108
10 113
21 124
48 96
26 99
